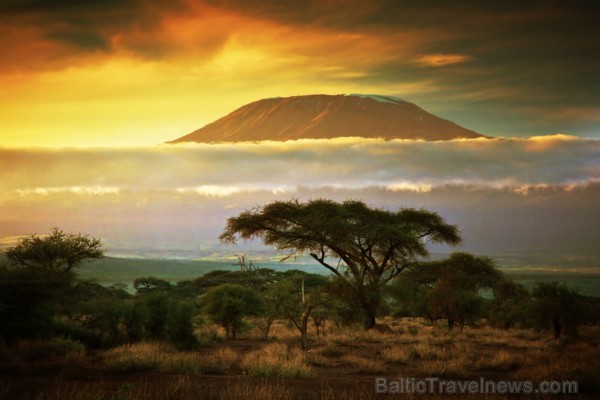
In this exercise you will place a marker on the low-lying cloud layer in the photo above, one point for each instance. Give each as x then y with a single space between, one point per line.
349 163
505 194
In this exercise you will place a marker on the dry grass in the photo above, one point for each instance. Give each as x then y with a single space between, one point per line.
277 360
318 360
180 388
220 361
250 390
331 350
363 365
416 349
149 356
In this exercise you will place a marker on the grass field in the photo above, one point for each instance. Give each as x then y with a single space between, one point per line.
342 365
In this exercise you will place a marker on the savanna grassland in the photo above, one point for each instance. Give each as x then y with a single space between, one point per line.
343 363
386 313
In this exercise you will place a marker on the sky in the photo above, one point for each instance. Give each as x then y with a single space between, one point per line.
137 73
90 90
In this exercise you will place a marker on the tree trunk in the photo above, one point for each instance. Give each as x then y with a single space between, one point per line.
557 328
370 307
370 320
450 324
304 330
268 328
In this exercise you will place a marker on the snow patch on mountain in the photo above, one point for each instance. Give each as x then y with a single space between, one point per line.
381 99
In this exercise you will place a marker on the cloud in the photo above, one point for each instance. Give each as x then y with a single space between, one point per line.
441 60
226 169
525 195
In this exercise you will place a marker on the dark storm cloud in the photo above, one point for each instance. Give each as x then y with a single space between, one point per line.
80 24
65 30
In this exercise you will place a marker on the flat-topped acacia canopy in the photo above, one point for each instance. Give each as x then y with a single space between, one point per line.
372 245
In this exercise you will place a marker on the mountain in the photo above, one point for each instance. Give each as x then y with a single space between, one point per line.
326 117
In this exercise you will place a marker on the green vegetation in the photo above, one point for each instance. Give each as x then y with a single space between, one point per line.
448 289
228 304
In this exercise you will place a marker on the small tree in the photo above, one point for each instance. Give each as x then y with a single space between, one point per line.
449 288
159 307
273 298
38 281
180 325
509 305
151 284
228 304
58 251
372 245
555 305
29 301
456 305
297 302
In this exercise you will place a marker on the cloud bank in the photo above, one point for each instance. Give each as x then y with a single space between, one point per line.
347 163
525 195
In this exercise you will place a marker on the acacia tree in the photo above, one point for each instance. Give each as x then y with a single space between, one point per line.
38 278
450 288
298 302
365 246
56 252
509 305
150 284
556 305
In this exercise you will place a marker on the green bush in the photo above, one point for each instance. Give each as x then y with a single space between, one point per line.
228 304
180 328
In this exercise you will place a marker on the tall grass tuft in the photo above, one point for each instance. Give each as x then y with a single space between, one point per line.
148 356
277 360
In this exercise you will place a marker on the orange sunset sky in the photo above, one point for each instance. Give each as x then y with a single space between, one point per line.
132 72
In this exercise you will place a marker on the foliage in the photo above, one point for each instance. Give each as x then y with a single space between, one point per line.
297 302
29 300
257 279
373 245
343 302
448 288
151 284
158 306
557 306
38 280
154 316
58 251
180 327
228 304
510 304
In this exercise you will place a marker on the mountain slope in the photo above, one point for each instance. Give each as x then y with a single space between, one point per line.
326 117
